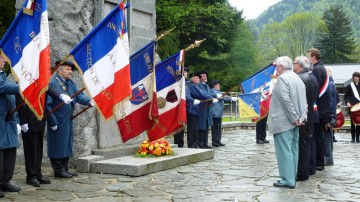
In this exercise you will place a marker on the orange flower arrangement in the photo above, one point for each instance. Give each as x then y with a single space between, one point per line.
156 148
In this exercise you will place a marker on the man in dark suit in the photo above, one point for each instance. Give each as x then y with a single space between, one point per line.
33 134
8 132
301 68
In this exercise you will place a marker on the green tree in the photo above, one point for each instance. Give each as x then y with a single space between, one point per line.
336 43
293 37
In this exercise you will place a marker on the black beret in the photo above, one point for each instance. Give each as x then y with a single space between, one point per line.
213 83
194 74
66 63
203 72
186 69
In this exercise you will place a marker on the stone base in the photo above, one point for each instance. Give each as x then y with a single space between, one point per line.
135 166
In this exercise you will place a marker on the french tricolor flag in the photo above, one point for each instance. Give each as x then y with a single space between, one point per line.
103 58
171 102
26 47
137 114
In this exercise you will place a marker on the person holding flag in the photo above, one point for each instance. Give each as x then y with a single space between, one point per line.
60 125
9 130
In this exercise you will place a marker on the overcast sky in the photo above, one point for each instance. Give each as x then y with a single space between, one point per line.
252 8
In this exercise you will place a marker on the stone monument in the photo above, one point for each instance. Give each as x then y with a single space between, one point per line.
69 23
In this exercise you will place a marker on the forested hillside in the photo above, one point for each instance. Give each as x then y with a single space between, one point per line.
285 8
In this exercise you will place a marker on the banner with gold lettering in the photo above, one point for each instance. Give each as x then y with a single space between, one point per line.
136 115
26 47
103 58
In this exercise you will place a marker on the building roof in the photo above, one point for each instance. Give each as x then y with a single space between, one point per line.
342 73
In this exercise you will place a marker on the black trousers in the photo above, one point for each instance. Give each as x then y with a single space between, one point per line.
7 165
203 138
216 130
60 165
312 160
33 151
192 131
179 138
261 129
355 130
319 133
304 158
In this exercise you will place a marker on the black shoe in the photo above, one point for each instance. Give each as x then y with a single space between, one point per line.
277 184
221 144
266 141
10 188
352 140
312 172
215 144
300 179
207 147
260 142
357 141
73 174
44 180
334 140
63 175
201 147
2 195
33 182
319 168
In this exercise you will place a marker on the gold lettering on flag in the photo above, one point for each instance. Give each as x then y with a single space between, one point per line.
17 45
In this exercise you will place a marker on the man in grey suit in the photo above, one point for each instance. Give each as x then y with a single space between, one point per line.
288 110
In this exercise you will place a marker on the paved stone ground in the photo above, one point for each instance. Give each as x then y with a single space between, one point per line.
240 171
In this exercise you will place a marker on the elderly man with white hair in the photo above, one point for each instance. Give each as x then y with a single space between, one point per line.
288 110
301 68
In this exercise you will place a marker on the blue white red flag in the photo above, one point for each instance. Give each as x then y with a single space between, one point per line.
136 115
261 82
26 47
103 58
249 105
170 95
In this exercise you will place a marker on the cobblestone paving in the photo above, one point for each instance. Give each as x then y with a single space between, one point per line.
240 171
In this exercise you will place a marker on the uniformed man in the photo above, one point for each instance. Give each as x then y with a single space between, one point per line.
60 126
8 131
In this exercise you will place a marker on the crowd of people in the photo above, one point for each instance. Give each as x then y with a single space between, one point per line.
304 100
204 110
59 129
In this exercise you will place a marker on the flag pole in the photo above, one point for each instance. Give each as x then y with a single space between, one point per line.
164 34
83 110
62 103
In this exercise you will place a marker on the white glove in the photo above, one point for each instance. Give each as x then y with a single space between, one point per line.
196 102
54 127
93 103
234 99
218 95
66 98
18 129
24 128
215 101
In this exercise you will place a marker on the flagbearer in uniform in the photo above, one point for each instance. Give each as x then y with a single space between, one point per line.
8 132
60 126
217 111
352 97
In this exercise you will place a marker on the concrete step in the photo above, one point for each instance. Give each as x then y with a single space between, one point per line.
135 166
